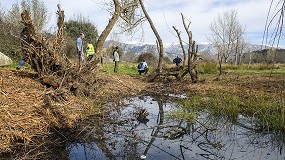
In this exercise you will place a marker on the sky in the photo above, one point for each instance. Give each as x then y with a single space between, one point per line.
252 14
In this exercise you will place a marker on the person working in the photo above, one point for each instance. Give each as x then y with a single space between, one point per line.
25 47
116 59
177 61
79 49
142 67
89 51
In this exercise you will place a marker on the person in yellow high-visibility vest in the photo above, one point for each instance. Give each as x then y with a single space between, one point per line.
89 51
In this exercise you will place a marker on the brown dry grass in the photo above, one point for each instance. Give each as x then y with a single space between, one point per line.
29 122
26 118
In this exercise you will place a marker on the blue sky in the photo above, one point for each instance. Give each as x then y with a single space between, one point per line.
166 13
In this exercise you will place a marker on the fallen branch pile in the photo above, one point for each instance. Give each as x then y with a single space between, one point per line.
47 57
28 127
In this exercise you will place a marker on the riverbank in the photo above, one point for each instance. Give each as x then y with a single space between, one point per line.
31 125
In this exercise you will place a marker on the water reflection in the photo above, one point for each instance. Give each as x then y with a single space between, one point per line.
157 137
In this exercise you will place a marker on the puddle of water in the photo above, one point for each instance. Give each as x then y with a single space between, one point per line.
159 137
86 151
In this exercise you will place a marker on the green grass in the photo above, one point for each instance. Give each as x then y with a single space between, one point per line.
208 68
212 68
255 69
128 68
268 112
276 71
15 64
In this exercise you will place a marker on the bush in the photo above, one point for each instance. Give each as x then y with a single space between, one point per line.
150 58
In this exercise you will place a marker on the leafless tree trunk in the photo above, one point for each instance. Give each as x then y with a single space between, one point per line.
240 50
119 11
181 44
227 34
192 52
159 44
250 57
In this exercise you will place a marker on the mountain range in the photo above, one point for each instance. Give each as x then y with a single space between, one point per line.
171 49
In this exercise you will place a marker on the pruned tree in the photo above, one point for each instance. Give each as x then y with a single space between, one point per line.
159 43
181 44
44 55
227 33
55 70
124 9
38 11
192 52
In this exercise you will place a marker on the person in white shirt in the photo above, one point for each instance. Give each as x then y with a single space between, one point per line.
116 59
142 67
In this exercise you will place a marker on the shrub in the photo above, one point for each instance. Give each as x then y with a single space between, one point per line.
150 58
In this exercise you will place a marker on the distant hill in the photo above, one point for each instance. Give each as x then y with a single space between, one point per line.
171 49
264 56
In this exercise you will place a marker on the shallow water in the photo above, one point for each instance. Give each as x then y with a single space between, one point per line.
154 139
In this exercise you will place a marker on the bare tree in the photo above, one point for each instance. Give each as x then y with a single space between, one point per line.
192 52
159 45
181 44
227 33
124 9
239 50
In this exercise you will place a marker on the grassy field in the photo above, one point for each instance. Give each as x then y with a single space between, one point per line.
241 91
267 111
128 68
258 93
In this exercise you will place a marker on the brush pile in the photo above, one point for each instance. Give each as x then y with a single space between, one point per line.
26 127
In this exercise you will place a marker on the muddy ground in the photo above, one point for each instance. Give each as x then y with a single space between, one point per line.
28 124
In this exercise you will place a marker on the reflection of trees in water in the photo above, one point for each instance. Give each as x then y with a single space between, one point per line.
219 138
210 137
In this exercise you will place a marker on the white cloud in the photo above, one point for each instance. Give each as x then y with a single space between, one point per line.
166 13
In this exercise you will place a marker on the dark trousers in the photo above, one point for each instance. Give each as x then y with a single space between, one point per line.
145 71
116 66
90 57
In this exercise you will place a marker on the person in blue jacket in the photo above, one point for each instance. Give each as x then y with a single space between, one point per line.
177 61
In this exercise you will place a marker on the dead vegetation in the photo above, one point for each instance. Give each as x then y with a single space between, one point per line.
39 109
33 126
47 57
29 125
